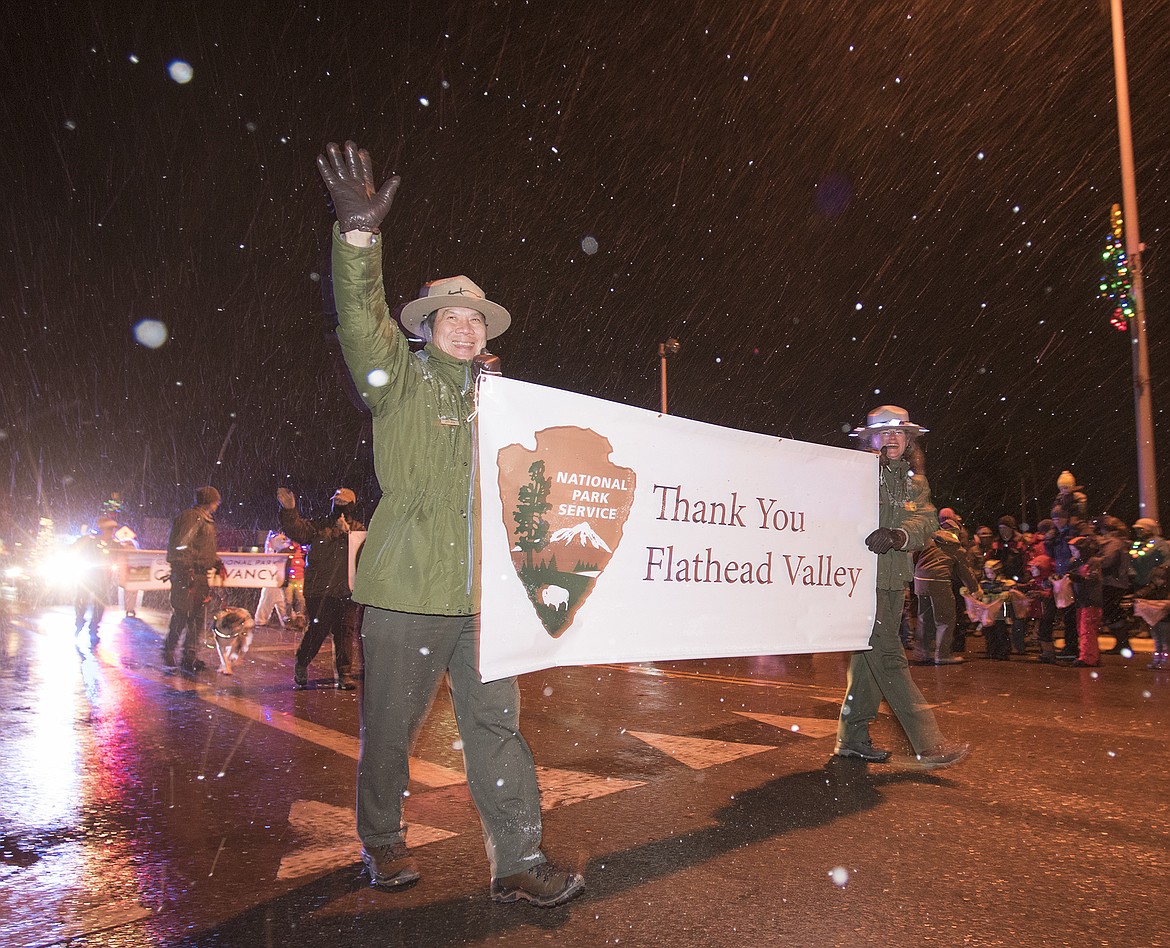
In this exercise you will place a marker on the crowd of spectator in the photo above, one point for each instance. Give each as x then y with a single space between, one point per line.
1076 574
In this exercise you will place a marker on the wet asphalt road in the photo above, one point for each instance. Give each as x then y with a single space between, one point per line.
699 798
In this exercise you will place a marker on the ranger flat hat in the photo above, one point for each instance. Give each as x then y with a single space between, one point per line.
888 416
454 291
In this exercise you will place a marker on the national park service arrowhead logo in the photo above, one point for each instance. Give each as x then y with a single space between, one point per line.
565 506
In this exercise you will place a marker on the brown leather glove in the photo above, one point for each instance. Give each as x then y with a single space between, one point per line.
350 180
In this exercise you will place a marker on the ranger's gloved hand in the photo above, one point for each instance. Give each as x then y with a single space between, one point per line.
350 180
882 540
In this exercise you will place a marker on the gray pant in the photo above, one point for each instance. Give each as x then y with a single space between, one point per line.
936 620
406 655
883 672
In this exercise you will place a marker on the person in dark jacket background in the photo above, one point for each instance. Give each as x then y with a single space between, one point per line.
1056 546
1089 590
97 555
1011 550
935 568
1114 542
329 607
191 551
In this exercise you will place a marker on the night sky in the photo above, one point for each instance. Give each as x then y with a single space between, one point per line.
831 204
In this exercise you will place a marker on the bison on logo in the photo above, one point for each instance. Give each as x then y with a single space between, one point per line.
565 506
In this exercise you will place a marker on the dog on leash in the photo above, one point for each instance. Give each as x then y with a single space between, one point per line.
233 636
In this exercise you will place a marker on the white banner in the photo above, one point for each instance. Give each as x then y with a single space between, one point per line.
615 534
149 569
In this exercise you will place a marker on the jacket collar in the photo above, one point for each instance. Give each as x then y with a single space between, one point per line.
455 370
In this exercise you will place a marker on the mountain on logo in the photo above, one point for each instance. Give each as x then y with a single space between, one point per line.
582 533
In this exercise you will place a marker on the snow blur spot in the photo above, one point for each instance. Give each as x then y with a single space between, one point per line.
589 245
71 125
547 691
1111 753
795 727
133 59
378 378
1127 653
500 782
840 876
424 650
315 277
1147 694
457 744
845 709
423 101
151 333
180 71
979 156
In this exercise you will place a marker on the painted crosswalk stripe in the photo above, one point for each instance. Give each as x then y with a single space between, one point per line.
805 727
421 771
321 825
566 787
699 753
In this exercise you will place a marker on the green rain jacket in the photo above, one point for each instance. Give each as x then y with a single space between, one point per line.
903 502
421 553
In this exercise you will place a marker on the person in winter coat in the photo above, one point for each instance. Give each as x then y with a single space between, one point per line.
419 572
935 567
981 544
907 520
1036 544
1148 550
994 592
1039 590
1011 550
1071 498
1113 540
98 561
1056 546
1088 590
1152 602
329 607
191 552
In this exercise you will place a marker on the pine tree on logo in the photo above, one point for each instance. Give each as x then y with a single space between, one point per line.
531 527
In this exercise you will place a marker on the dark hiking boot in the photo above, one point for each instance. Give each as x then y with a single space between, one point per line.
390 867
866 752
945 755
301 677
544 885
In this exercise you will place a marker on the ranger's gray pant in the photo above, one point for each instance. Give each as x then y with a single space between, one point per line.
406 655
883 672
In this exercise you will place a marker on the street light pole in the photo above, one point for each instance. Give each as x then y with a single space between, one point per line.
668 348
1144 416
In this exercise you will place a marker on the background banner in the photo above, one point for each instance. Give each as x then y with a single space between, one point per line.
146 569
616 534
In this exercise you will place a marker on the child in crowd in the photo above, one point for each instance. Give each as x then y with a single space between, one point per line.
1039 591
1088 596
995 594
